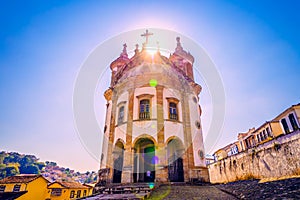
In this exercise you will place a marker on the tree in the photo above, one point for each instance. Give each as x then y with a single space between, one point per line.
88 180
30 169
53 164
40 165
8 171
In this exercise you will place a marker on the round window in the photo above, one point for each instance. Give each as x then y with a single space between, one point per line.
201 154
195 100
197 124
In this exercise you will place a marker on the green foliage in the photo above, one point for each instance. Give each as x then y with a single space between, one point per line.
88 180
8 171
29 169
12 163
40 165
52 164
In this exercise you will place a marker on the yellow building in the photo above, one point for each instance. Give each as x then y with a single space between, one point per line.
267 132
68 190
220 154
289 119
285 123
24 187
226 151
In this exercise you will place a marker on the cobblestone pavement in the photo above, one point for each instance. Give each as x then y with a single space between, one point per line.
180 192
251 189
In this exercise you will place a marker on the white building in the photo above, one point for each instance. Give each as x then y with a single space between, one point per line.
153 120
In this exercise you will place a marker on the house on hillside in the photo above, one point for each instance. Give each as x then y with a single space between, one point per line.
285 123
226 151
68 190
24 187
269 151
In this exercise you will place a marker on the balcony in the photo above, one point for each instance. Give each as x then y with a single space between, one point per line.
173 116
144 115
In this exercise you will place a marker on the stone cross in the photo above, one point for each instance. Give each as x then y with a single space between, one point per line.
124 48
146 35
124 52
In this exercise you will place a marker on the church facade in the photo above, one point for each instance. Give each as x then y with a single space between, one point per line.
153 127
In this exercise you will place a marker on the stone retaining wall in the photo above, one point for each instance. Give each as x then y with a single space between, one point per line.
276 158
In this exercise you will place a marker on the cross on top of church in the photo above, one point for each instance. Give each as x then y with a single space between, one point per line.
146 35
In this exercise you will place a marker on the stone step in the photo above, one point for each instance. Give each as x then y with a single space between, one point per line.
119 196
139 188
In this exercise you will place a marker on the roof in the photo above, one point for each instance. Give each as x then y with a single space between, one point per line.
245 135
22 178
74 185
263 125
285 111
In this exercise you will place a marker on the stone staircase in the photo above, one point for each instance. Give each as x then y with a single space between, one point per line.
123 191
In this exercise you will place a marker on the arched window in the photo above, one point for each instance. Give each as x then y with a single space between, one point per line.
121 115
173 108
173 111
144 109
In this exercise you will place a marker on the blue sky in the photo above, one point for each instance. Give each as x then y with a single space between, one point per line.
254 44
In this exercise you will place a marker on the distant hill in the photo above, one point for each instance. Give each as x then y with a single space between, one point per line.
12 163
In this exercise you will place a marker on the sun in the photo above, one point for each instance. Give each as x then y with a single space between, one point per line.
151 50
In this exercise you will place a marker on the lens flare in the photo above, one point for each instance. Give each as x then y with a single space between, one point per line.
153 83
154 160
151 185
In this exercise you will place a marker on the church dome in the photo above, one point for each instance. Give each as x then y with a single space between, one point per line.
121 60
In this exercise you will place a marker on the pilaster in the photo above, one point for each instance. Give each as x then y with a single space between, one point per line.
188 161
161 174
111 137
127 173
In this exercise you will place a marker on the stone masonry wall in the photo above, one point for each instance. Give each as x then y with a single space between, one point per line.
276 158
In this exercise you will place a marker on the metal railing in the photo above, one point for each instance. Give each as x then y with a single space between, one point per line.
173 116
144 115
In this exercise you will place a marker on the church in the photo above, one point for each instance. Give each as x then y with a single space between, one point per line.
152 129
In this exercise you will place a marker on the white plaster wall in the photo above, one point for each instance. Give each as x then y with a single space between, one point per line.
171 93
140 91
120 133
105 135
174 129
197 137
148 127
